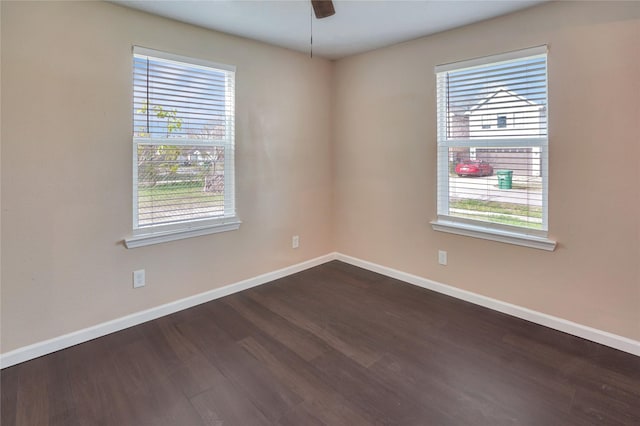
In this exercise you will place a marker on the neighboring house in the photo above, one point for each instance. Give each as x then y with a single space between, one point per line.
504 113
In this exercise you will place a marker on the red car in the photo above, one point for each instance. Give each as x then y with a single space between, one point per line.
474 168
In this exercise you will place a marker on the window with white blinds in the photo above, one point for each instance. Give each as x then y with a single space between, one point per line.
183 142
493 143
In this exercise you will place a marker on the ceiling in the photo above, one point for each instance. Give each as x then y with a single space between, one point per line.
357 26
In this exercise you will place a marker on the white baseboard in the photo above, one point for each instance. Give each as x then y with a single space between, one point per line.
605 338
61 342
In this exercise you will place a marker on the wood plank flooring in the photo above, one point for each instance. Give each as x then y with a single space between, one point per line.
333 345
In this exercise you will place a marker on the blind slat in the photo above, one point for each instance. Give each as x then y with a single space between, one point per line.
489 96
177 107
492 144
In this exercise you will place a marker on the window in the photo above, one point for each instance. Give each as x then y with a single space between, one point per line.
492 175
183 147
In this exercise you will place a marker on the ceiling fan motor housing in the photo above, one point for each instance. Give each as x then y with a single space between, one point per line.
323 8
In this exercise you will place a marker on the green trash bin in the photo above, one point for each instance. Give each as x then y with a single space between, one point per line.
505 179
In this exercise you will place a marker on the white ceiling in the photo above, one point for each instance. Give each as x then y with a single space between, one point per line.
357 26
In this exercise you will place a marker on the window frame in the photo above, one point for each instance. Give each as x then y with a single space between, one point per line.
160 233
445 222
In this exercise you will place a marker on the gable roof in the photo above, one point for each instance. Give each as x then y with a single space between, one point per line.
494 94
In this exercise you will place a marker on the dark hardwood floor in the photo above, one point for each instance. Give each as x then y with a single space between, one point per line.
334 345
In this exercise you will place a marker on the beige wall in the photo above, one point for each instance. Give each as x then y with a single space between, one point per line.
385 164
66 167
352 172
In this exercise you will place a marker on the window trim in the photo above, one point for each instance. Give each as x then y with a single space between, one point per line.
206 227
503 236
144 51
478 229
143 236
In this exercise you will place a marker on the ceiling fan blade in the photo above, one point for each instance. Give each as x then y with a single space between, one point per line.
323 8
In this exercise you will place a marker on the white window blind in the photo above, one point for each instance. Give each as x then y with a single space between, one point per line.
492 142
183 142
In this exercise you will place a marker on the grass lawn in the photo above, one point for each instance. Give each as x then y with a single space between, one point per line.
497 207
177 201
499 212
505 220
171 190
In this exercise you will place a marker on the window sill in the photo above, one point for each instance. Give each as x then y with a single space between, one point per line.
507 237
150 238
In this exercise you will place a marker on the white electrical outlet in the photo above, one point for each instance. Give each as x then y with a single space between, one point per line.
295 241
138 278
442 257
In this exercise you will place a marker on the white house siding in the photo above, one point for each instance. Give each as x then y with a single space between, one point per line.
506 114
